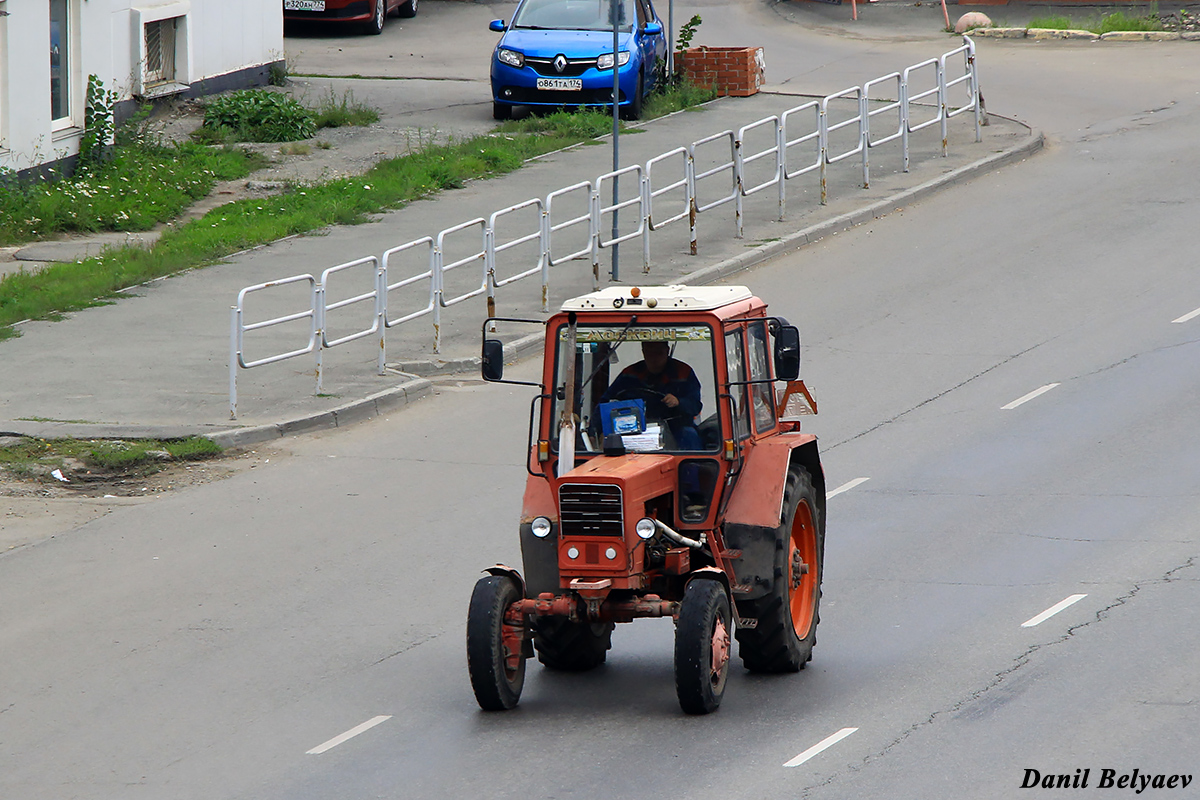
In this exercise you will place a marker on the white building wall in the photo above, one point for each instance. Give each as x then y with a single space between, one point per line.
215 39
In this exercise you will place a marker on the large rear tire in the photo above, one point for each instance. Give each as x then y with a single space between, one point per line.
702 646
571 646
496 683
786 633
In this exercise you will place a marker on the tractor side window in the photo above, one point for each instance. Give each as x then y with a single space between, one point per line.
762 396
735 359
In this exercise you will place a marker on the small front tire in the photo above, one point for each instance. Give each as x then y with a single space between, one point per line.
407 10
497 683
702 646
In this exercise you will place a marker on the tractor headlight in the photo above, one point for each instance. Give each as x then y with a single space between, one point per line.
606 61
541 527
511 57
645 528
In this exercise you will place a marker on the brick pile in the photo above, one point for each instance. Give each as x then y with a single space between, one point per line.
735 71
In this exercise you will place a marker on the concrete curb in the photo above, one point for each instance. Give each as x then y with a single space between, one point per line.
1045 34
346 414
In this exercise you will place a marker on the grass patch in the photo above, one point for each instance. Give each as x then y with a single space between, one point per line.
334 113
684 94
31 457
1120 21
233 227
1054 22
139 187
1109 23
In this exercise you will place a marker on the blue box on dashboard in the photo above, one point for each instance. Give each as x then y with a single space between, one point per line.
622 416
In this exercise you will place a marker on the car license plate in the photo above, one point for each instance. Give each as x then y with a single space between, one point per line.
561 84
304 5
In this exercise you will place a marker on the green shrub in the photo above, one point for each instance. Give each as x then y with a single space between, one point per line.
258 115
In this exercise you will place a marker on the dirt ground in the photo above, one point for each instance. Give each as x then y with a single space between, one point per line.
41 506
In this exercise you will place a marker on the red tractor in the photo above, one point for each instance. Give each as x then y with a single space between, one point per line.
667 477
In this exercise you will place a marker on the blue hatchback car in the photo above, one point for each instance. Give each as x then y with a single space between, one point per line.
560 53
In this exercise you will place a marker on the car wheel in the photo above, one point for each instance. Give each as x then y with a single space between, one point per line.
408 9
501 111
634 109
378 14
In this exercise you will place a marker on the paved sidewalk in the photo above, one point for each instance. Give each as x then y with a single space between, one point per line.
155 363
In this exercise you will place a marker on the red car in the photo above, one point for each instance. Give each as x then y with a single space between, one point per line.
370 14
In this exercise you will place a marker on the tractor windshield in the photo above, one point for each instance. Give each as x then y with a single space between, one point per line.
652 385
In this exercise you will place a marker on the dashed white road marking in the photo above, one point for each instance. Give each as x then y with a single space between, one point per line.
845 487
1052 610
1028 397
350 734
824 744
1189 316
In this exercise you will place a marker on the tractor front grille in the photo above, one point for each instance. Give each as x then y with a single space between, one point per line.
590 509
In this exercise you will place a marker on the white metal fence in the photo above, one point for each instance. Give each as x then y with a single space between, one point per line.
807 138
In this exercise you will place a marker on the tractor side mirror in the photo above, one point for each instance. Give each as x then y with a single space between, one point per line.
787 353
492 365
497 25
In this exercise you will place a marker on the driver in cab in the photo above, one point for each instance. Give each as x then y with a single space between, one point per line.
669 387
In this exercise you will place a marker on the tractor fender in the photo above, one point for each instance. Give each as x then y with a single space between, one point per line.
539 556
754 513
757 497
712 573
502 571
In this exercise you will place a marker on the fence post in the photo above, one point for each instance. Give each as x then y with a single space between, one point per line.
975 95
234 320
435 266
544 246
739 186
864 130
489 267
904 117
381 311
944 104
690 173
646 223
318 328
594 229
823 142
780 166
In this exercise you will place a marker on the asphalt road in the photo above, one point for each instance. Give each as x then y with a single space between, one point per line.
201 645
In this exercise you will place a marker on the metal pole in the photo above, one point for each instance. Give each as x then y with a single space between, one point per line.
671 39
616 95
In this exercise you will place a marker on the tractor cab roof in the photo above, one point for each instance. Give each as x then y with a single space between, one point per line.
659 298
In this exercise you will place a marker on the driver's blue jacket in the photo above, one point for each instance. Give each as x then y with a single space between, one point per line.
677 378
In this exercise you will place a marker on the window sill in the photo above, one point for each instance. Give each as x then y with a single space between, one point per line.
68 131
163 90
